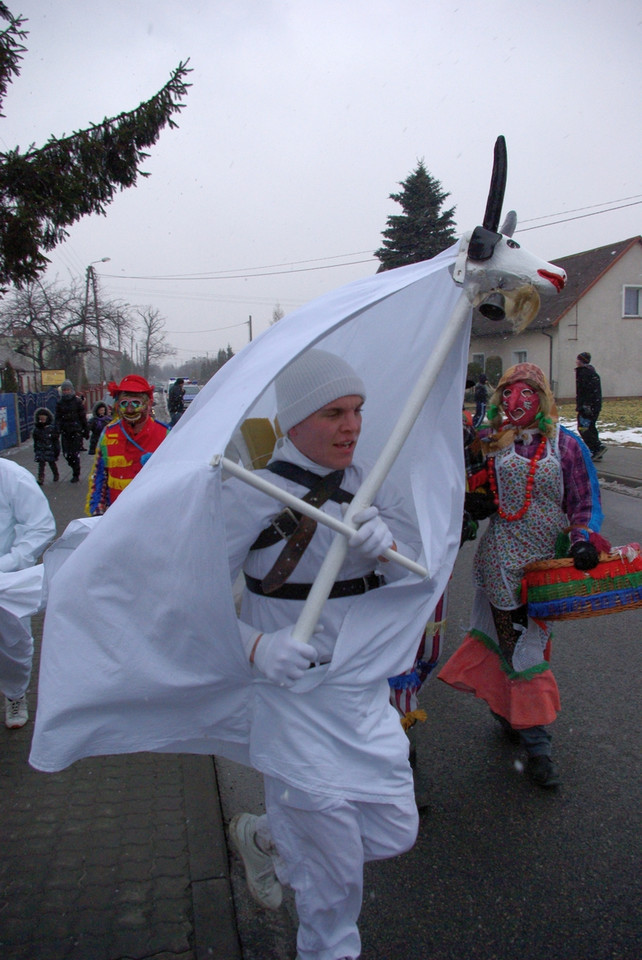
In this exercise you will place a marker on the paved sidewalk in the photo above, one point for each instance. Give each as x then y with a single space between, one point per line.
116 857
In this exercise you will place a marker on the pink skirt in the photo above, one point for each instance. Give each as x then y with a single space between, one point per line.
527 699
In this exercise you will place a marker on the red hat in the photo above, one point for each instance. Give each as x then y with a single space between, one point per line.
132 383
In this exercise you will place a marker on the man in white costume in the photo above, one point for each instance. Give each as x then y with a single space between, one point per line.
338 786
27 526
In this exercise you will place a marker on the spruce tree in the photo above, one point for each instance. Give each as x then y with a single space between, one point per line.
46 189
424 229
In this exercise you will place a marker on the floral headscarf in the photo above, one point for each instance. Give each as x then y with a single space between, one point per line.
535 377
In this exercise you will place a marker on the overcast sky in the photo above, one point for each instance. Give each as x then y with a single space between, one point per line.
304 115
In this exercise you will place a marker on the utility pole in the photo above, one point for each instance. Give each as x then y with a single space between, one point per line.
82 374
250 326
91 277
101 365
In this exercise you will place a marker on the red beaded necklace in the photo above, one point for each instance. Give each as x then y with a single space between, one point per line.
529 485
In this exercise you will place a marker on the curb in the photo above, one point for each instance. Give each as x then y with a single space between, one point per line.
215 928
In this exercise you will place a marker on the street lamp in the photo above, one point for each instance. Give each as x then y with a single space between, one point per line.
91 277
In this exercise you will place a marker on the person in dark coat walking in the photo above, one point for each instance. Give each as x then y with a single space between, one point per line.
71 423
588 403
175 402
481 399
46 444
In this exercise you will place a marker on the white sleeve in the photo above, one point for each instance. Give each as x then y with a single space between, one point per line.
33 524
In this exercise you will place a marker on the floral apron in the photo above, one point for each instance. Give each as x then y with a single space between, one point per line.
508 545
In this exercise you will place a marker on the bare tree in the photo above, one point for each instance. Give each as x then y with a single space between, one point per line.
58 326
45 323
277 314
153 343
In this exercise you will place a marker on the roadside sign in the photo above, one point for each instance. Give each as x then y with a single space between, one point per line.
52 378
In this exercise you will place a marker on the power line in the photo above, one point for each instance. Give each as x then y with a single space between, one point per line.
581 217
593 206
242 323
238 276
270 270
268 266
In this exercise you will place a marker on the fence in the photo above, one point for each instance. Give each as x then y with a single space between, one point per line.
28 403
9 420
17 411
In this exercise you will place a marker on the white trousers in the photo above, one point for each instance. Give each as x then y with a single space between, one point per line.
323 844
16 654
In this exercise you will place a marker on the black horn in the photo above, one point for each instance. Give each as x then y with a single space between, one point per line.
497 186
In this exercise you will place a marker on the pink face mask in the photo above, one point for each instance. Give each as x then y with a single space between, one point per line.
521 403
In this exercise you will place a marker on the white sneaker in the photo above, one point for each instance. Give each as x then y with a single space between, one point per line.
259 868
16 712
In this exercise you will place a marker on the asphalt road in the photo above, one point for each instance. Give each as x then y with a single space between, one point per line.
503 870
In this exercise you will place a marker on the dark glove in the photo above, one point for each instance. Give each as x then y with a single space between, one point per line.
468 529
479 504
584 554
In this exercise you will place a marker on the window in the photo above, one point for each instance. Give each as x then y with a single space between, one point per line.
632 302
520 356
478 359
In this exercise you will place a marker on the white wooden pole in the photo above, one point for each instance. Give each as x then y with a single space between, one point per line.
329 569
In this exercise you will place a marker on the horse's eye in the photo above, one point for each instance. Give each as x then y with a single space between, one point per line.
512 244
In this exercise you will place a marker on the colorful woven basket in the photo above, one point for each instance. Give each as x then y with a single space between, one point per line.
555 590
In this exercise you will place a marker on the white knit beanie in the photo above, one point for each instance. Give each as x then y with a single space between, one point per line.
312 380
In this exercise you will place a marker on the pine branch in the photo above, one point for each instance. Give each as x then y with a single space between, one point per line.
45 190
11 49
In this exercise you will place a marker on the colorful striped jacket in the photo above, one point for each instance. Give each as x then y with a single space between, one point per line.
119 457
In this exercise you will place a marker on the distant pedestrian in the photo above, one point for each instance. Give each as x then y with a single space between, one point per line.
46 444
588 403
99 419
71 424
175 401
481 399
27 526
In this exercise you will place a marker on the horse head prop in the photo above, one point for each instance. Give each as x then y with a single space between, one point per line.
498 275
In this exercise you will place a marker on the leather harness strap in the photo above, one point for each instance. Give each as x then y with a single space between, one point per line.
299 539
300 591
285 524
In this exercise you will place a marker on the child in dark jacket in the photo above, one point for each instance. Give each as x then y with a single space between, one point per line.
100 417
46 443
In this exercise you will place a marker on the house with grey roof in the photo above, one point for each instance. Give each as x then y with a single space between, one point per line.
599 310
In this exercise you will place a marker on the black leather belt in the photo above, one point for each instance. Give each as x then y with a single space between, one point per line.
300 591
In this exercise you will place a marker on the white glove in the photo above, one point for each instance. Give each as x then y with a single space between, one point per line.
373 537
281 658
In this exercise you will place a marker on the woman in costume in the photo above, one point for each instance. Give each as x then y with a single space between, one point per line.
543 487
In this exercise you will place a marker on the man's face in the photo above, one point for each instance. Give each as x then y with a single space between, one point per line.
42 420
133 406
67 392
329 435
521 403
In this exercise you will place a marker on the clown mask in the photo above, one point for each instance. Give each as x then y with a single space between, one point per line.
521 403
133 407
